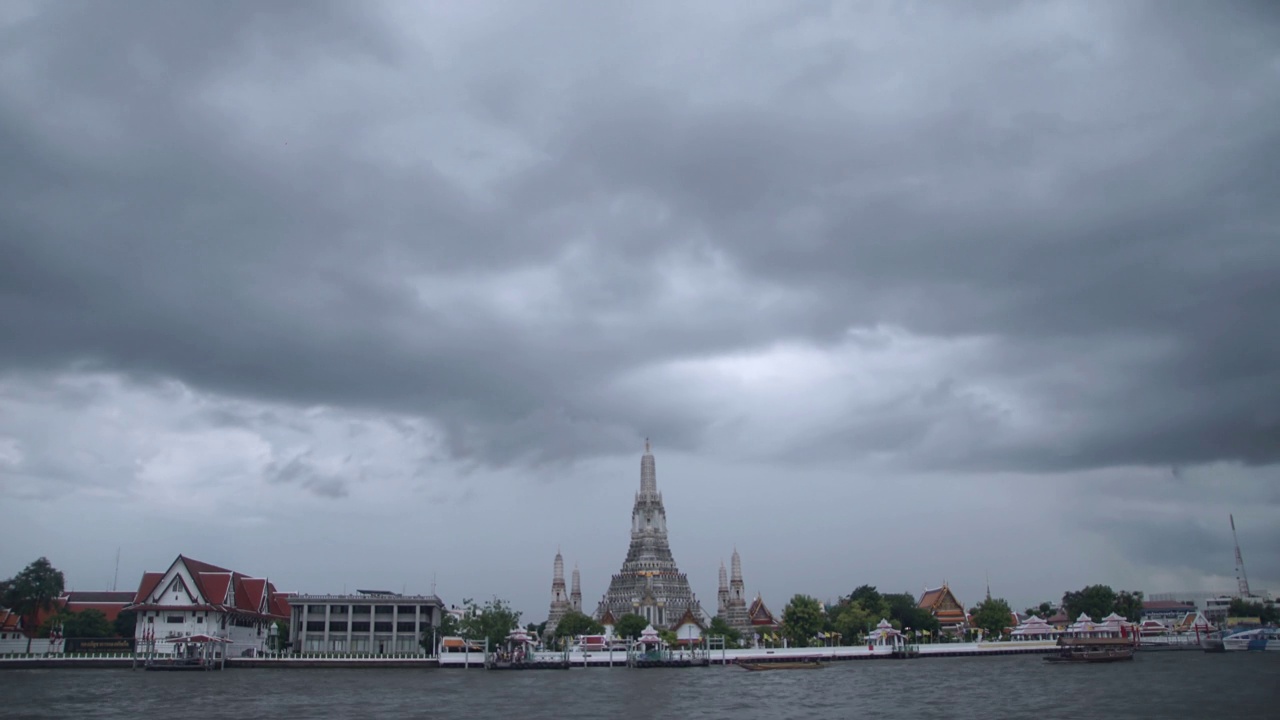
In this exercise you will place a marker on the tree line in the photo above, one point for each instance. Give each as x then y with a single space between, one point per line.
35 590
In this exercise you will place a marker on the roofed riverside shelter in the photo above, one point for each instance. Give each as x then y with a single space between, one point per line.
371 622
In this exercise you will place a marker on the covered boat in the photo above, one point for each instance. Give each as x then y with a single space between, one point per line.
1092 650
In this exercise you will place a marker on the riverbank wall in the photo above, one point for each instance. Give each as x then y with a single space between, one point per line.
575 659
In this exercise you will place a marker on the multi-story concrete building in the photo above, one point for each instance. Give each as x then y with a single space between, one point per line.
376 622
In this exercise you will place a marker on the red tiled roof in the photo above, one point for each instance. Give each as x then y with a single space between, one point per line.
280 604
108 603
608 618
251 600
212 583
197 566
215 586
148 585
10 621
930 598
77 596
933 599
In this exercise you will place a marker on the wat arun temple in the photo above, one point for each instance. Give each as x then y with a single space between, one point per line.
649 583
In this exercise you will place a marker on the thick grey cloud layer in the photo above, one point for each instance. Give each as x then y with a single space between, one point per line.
1031 238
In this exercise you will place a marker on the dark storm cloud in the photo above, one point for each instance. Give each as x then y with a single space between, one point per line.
1059 196
302 470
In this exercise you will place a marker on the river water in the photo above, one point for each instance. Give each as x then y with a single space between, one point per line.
1155 685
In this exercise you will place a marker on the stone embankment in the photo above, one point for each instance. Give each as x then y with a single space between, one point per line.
575 659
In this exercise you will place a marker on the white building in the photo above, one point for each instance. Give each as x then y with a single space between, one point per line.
374 622
194 598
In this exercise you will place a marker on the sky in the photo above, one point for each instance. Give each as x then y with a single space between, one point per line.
389 295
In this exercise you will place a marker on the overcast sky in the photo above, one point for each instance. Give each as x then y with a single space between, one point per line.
365 294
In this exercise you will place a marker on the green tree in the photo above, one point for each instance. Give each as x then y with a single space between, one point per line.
1044 610
575 623
869 598
668 637
1241 608
630 626
89 623
281 641
492 621
852 621
802 619
448 627
53 621
993 615
718 626
126 623
1096 601
33 590
1129 605
905 612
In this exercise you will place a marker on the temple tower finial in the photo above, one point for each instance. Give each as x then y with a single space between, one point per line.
648 473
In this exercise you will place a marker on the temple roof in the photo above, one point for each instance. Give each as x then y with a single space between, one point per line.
689 618
760 614
937 600
935 597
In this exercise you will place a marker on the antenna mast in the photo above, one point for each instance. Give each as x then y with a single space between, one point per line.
1242 580
116 577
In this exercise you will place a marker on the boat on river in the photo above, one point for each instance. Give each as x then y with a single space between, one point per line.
1092 650
1257 639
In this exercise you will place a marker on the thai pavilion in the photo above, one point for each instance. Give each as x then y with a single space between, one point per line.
943 605
1034 628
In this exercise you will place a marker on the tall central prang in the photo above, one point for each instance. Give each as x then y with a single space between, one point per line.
649 584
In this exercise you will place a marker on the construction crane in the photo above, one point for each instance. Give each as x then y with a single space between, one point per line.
1242 580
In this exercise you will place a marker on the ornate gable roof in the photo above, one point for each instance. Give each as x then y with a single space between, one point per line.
940 599
688 618
607 618
760 614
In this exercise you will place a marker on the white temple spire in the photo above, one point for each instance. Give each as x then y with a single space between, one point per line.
650 583
648 472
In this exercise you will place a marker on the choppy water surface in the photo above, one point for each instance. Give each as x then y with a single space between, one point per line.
1156 685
